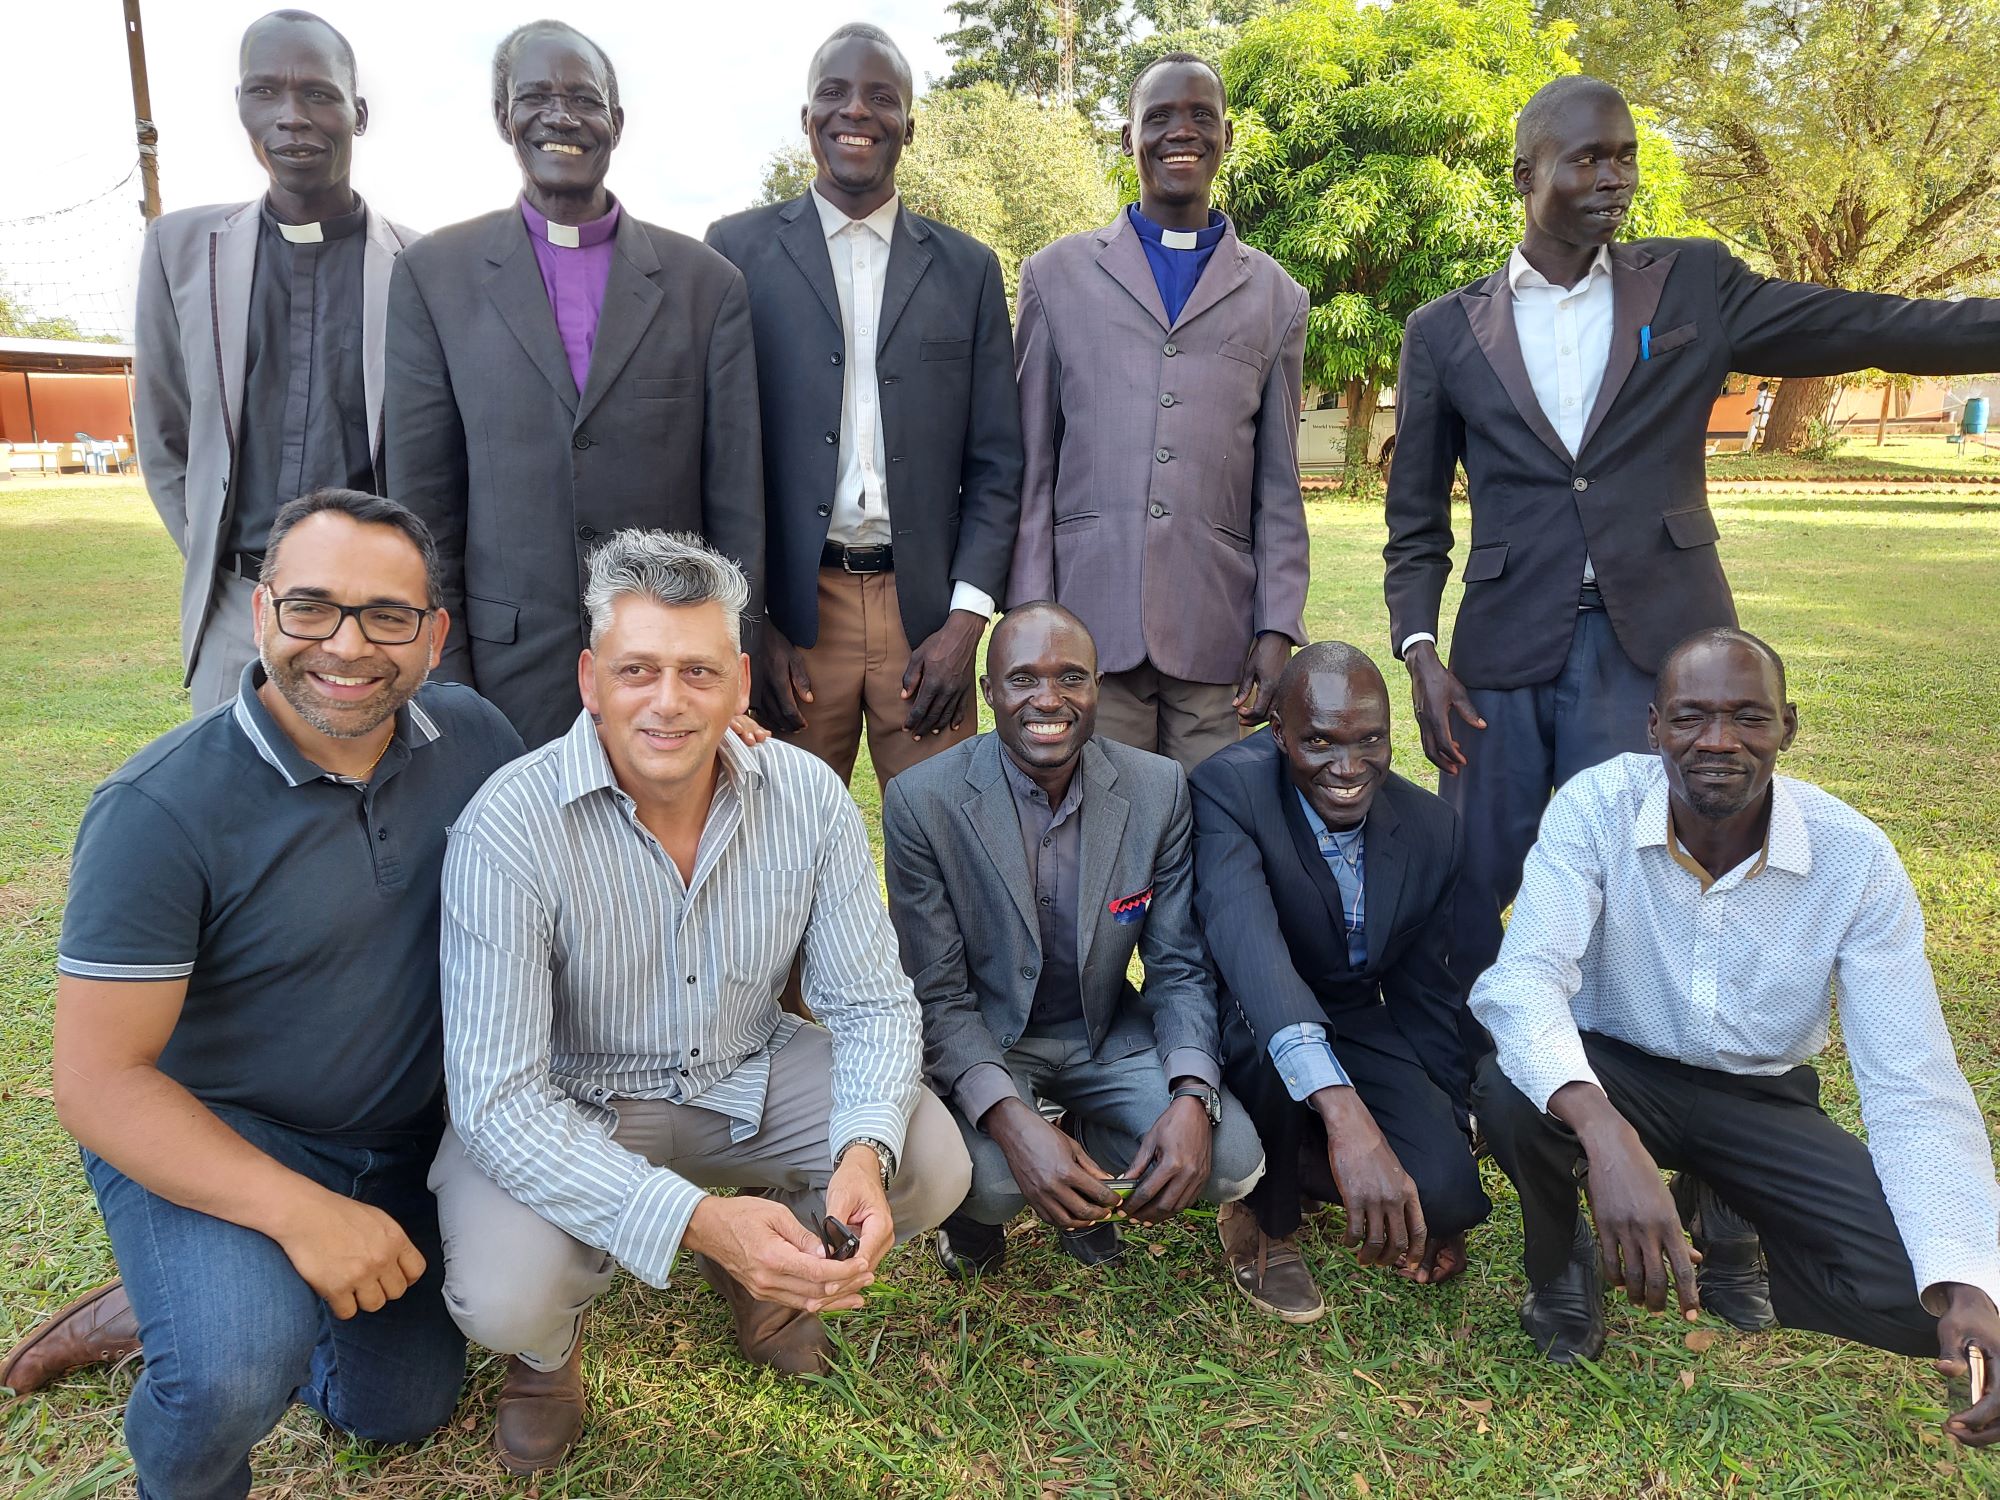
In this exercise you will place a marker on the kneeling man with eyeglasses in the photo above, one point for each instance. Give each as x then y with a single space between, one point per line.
247 1039
1683 919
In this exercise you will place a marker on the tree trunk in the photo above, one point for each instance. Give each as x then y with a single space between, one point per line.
1362 397
1882 422
1800 401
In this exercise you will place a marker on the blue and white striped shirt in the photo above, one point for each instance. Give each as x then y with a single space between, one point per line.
580 969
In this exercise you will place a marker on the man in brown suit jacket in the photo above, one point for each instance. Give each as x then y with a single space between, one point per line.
1159 361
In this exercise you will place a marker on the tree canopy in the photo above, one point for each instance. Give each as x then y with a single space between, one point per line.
1373 160
1061 52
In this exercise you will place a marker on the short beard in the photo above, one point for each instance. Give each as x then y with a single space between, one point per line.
1716 803
362 719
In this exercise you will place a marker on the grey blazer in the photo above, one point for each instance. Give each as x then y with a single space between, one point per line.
520 475
964 908
193 333
1161 495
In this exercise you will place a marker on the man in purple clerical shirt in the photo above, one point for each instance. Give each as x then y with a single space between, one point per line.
559 370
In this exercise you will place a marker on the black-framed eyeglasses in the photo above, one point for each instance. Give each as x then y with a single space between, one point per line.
321 619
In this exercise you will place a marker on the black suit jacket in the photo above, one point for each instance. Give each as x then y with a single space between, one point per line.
520 475
1271 914
951 421
1635 497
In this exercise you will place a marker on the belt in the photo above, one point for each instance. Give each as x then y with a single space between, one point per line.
880 558
1588 598
249 566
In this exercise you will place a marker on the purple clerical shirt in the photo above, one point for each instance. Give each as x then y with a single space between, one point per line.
575 265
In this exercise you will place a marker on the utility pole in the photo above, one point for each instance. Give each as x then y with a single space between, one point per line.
142 111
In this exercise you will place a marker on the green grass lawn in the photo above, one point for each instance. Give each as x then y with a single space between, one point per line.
1150 1378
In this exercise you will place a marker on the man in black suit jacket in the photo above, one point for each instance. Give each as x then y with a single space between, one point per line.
1324 886
558 371
1575 386
892 433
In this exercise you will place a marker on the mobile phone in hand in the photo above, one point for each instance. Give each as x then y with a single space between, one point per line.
1122 1186
841 1242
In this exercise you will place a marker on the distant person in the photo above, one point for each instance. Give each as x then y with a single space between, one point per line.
1026 868
1661 990
622 907
258 376
1575 385
1324 884
892 433
247 1035
1159 362
559 370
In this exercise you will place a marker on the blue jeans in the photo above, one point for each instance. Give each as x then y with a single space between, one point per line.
233 1336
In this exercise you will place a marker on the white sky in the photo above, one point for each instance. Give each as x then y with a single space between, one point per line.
710 88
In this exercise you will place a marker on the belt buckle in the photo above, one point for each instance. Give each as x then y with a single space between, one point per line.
847 560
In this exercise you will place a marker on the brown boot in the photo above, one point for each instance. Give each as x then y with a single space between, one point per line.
539 1415
96 1328
770 1333
1270 1272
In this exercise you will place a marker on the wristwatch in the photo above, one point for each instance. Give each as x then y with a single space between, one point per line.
883 1155
1211 1100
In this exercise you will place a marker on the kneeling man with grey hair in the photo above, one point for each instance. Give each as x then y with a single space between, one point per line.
621 910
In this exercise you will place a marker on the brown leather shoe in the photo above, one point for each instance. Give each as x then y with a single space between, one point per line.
539 1415
785 1338
96 1328
1271 1273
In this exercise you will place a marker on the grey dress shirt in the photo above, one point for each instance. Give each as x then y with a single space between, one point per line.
1052 838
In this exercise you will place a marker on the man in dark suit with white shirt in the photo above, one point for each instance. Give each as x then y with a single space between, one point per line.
1575 385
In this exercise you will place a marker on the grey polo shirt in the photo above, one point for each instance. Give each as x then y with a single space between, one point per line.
301 908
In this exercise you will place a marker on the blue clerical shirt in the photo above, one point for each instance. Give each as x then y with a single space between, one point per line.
1177 256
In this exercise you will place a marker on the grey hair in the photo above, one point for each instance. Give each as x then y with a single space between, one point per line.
675 568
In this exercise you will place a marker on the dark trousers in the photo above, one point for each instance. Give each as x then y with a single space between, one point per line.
1416 1117
1837 1263
233 1335
1535 739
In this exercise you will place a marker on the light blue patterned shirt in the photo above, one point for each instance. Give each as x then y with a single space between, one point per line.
1303 1056
580 969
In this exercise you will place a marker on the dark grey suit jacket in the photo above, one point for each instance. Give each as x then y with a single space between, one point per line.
964 908
951 421
520 475
1635 496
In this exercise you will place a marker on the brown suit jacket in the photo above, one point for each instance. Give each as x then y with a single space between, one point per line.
1161 496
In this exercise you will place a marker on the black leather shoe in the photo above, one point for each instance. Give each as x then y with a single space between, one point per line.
1731 1277
1095 1245
1566 1317
966 1248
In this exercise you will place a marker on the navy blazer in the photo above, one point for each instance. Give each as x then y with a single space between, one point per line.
1272 915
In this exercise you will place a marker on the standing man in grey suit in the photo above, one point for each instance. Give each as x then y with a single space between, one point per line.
1574 384
1159 361
1025 869
559 370
260 334
892 433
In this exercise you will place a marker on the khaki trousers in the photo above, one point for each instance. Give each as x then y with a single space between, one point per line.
1184 721
516 1283
857 670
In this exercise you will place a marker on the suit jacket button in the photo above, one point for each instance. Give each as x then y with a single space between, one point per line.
1580 484
1166 398
833 358
586 533
1156 509
825 510
833 437
1160 455
1006 1041
1027 973
1170 351
581 440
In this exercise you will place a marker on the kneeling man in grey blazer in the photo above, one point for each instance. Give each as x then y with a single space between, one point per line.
1025 868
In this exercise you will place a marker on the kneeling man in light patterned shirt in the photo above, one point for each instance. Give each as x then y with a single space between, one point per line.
621 910
1682 922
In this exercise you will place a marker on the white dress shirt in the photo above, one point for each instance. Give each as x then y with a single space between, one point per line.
859 250
1565 338
1612 934
580 969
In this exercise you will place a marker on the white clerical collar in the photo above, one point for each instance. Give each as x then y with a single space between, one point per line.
564 235
1179 239
302 234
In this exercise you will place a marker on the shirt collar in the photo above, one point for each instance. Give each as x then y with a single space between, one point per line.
1348 840
336 228
1025 788
883 221
1520 274
1204 239
583 767
414 727
1786 843
571 236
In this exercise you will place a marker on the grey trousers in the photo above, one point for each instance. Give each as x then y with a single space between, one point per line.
228 644
516 1283
1116 1100
1184 721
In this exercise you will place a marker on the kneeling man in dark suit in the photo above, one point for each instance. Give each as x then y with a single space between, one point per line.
1025 868
1324 885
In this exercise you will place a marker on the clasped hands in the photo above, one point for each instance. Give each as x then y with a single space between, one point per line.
1065 1186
